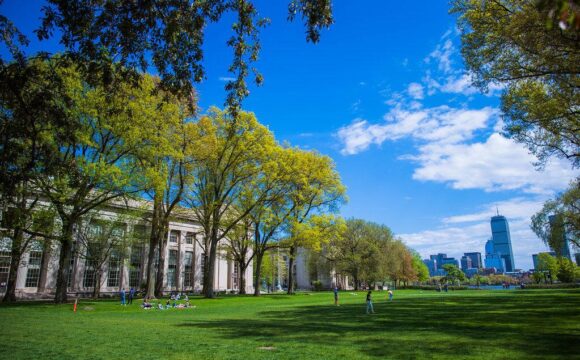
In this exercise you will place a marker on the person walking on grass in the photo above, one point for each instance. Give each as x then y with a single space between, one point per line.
131 295
370 304
123 296
390 295
336 296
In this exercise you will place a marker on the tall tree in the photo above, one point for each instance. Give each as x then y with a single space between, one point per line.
316 189
507 43
221 178
94 167
166 158
565 209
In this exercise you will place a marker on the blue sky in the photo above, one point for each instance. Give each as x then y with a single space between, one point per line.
386 95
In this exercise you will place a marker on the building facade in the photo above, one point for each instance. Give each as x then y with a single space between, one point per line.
475 257
502 243
183 266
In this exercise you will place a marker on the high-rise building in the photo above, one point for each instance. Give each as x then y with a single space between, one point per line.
492 259
502 242
466 263
475 259
432 266
560 244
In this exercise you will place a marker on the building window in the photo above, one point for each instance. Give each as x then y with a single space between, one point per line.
5 258
33 273
189 238
172 269
135 266
235 276
173 236
114 269
71 265
187 267
90 265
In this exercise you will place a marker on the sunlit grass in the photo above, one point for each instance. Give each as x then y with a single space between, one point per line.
538 324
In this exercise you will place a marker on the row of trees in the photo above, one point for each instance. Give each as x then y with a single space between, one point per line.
369 254
87 145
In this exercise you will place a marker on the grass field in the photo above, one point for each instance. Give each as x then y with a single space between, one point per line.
540 324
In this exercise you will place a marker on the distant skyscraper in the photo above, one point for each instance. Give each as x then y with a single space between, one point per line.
560 245
492 258
475 259
432 266
502 242
466 263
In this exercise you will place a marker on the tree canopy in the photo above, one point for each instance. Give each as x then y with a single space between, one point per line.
507 43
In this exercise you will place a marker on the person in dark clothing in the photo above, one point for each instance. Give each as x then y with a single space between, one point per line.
370 303
131 295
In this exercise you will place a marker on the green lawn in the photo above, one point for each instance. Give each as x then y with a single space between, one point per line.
539 324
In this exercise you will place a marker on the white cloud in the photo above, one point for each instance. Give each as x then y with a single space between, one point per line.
447 152
415 90
442 55
458 85
470 232
495 164
226 78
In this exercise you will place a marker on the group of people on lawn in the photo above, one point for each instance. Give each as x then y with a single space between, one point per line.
370 309
148 304
172 302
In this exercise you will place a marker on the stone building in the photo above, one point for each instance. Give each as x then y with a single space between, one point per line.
183 262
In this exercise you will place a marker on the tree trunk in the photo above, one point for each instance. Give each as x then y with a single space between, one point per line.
291 270
66 241
15 258
257 272
242 278
164 233
208 274
97 287
153 245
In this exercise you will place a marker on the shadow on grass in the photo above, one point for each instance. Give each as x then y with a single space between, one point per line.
522 325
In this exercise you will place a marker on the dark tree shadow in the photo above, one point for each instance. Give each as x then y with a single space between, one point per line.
528 324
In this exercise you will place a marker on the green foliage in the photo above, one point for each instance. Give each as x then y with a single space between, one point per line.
420 268
507 43
169 36
549 264
453 273
566 222
567 270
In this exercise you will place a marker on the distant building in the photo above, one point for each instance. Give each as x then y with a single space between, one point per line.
475 259
502 243
466 263
492 259
471 272
560 246
432 266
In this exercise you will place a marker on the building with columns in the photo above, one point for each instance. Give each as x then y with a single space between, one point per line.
183 262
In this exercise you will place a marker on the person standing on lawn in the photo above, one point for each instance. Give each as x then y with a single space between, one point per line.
370 308
131 295
123 296
336 296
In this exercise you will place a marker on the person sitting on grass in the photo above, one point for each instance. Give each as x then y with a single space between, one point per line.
167 304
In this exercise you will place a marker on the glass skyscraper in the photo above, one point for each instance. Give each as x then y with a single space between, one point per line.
502 243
